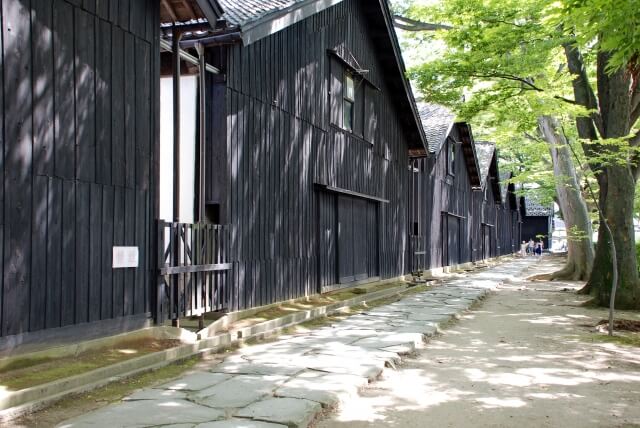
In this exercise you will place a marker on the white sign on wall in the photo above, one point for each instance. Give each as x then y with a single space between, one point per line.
125 257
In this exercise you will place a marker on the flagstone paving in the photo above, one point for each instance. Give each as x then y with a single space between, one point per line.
287 382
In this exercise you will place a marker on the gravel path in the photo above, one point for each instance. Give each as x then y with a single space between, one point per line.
525 358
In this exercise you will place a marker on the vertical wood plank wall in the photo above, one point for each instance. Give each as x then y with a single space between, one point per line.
280 145
77 99
452 195
446 194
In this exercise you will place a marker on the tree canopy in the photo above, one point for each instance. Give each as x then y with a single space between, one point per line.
508 64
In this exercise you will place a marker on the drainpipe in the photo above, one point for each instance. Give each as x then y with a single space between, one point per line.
177 35
175 322
202 129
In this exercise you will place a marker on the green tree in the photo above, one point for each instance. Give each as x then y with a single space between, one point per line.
602 48
504 66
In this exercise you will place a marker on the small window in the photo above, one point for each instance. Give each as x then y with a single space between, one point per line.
451 169
349 102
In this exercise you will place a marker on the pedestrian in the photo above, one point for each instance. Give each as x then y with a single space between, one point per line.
539 249
530 247
523 249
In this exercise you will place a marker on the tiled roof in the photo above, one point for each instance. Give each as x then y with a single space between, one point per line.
533 208
437 121
242 12
484 151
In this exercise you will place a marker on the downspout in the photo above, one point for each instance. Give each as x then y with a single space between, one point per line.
175 322
202 130
177 35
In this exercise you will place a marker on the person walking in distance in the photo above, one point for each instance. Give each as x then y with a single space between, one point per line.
530 247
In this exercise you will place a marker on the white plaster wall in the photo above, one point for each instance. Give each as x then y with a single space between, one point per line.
188 112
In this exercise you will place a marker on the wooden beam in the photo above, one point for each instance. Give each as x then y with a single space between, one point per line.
169 9
215 267
187 6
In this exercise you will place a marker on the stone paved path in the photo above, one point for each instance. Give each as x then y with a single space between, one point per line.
289 381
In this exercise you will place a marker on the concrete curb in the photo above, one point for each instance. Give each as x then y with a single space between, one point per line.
224 322
16 403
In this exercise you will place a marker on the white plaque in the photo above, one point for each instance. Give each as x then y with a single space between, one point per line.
125 257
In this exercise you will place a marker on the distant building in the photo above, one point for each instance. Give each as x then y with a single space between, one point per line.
441 215
536 220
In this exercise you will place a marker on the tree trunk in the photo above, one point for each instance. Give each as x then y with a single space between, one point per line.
617 190
574 209
617 204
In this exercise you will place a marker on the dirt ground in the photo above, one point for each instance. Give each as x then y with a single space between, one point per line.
527 357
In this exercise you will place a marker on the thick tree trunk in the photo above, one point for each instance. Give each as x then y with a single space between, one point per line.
617 190
574 209
617 204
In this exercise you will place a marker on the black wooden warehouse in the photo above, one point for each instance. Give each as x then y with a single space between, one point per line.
487 201
508 217
317 120
309 120
537 220
499 225
306 127
78 102
79 138
441 187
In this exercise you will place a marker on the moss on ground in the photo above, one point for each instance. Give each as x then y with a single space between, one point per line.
312 303
24 363
79 404
29 372
626 339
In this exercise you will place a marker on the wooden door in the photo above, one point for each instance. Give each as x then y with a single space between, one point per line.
360 239
357 239
345 240
486 242
453 240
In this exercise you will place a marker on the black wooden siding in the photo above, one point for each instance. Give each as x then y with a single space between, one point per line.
445 199
282 148
78 99
501 222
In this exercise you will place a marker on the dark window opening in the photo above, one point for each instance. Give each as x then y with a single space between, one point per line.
416 228
213 213
451 168
349 102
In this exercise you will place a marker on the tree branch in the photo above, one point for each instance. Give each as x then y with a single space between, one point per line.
634 162
409 24
635 106
588 128
566 100
522 80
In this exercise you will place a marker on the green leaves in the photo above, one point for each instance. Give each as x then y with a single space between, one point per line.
611 26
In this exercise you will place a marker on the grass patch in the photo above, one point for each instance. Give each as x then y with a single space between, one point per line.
24 363
26 373
630 339
79 404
